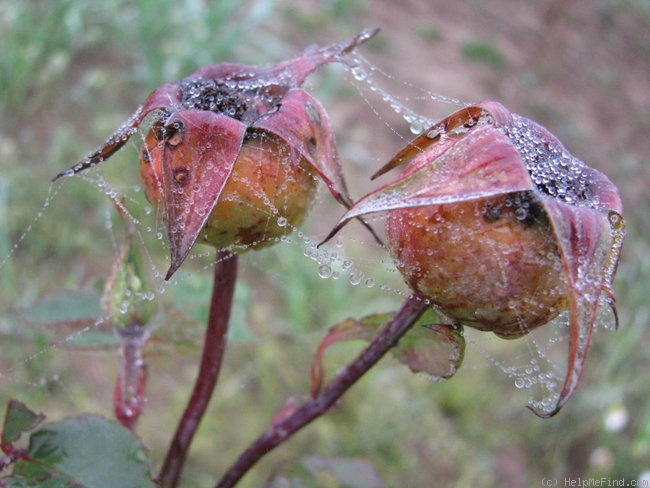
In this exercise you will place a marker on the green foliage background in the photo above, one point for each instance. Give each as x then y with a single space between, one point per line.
72 70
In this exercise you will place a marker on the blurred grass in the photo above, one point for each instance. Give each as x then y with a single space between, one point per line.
71 71
483 52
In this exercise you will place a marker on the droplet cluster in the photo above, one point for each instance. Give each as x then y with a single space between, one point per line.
525 208
225 97
552 168
536 365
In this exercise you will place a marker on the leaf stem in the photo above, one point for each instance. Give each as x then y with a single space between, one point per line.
225 276
288 425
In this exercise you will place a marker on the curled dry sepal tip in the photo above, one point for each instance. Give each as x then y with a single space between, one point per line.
502 229
232 151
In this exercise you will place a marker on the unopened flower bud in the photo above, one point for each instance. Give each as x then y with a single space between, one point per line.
232 151
501 228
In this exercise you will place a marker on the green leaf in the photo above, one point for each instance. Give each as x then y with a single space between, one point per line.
28 474
327 472
83 452
430 347
65 306
18 420
348 330
435 349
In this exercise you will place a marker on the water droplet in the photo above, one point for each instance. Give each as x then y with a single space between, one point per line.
355 278
521 214
416 127
359 73
324 271
282 221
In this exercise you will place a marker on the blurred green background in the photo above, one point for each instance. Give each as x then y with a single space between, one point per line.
72 70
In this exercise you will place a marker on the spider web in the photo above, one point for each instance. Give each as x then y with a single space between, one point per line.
357 275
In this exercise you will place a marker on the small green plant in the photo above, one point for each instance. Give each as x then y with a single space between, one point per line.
485 53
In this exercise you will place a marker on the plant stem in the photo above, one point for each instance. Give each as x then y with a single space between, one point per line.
284 428
225 276
129 392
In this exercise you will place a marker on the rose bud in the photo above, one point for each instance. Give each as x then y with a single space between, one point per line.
502 229
232 151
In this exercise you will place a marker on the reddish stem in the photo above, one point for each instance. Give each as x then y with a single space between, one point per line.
225 276
285 426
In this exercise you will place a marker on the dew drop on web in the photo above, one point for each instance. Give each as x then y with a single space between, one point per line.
325 271
355 278
367 76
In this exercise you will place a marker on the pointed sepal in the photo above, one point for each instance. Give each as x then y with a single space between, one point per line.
200 149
